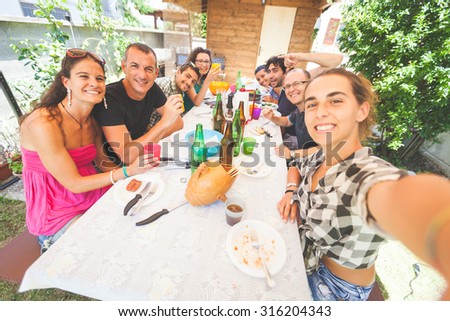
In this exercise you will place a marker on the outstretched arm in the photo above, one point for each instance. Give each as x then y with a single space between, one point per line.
416 210
324 60
128 149
45 137
197 98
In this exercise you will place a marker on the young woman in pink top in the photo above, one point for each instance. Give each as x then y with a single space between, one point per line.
60 142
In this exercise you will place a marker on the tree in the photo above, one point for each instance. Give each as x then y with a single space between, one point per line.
403 47
45 56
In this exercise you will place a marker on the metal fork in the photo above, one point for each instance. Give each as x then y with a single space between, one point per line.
257 245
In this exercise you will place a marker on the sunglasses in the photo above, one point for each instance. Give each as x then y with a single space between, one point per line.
76 53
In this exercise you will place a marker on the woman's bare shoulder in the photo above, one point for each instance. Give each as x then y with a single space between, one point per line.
39 124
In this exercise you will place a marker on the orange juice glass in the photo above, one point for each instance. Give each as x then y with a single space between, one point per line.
214 65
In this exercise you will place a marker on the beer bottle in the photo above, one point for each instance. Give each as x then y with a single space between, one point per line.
238 81
198 149
227 146
218 117
242 119
229 114
237 132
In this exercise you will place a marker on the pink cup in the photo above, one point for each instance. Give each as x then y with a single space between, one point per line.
256 113
154 149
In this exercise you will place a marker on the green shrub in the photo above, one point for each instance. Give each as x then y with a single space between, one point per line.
403 47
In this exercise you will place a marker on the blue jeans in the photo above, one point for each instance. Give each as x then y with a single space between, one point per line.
45 241
325 286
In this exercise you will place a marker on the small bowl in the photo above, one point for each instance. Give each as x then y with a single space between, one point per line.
212 149
216 86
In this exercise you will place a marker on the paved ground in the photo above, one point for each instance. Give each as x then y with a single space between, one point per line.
395 266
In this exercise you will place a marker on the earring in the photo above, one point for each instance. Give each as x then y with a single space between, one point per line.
69 97
104 101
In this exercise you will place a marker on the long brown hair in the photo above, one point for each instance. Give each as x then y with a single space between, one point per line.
363 91
193 56
57 91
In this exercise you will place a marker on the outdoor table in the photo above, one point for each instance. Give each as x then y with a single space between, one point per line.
182 255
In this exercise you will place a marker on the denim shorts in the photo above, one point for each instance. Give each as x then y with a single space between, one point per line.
45 241
325 286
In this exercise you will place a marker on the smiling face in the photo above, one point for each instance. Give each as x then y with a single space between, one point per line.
140 73
294 86
186 80
203 62
86 82
261 78
275 75
333 114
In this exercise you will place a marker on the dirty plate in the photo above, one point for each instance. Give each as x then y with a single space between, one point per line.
246 258
248 167
269 105
122 196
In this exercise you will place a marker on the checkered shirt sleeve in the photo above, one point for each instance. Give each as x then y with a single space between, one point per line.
335 219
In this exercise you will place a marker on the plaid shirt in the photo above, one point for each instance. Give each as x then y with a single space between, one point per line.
335 220
169 88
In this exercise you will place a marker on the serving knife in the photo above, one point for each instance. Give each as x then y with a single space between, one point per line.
146 191
157 215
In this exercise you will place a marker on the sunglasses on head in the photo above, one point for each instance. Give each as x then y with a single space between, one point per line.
81 53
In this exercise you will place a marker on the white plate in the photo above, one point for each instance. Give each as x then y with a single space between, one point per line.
269 105
247 168
253 130
246 258
122 196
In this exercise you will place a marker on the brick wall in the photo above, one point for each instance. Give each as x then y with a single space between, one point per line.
234 28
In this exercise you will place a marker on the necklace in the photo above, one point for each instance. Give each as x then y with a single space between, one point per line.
79 123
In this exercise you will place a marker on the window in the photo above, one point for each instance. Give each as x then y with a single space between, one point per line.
29 8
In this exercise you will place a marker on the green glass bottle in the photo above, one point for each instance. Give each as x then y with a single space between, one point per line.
218 117
198 149
237 132
238 81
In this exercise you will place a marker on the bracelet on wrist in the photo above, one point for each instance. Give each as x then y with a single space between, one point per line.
111 177
291 185
124 169
289 191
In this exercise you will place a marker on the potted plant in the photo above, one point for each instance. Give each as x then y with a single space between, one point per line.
5 172
15 163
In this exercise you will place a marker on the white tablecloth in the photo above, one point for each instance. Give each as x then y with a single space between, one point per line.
181 256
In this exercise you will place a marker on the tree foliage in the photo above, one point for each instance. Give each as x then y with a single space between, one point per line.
45 55
403 47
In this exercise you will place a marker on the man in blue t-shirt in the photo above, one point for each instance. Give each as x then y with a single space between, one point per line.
127 116
291 104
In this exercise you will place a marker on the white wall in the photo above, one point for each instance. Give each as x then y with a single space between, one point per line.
439 153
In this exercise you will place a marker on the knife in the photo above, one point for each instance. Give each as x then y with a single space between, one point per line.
267 133
142 195
157 215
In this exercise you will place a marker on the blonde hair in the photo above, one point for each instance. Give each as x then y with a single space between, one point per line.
363 91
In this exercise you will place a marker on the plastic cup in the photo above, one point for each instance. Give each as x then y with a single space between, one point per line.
154 149
251 106
256 113
182 103
234 210
248 145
